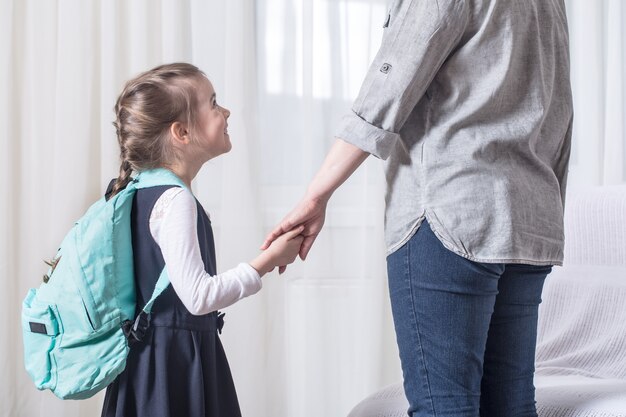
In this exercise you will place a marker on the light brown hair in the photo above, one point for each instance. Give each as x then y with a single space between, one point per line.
144 112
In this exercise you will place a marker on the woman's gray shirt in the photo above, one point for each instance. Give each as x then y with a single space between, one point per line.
469 104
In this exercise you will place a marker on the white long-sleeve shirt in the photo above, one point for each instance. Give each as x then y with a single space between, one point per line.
173 225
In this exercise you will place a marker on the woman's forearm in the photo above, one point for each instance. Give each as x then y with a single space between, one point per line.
341 161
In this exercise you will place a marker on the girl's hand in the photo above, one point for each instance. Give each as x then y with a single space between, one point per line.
285 249
282 251
310 215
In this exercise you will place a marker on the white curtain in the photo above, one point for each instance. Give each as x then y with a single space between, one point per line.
598 69
320 337
63 64
331 324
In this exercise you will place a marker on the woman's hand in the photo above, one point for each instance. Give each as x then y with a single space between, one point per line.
282 251
310 214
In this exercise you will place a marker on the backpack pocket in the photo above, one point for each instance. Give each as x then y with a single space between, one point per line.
40 330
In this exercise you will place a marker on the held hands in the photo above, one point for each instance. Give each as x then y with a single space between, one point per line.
342 160
308 217
282 251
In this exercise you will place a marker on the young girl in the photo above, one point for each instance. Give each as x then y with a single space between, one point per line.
168 117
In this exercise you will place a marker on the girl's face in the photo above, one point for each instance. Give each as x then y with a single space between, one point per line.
212 123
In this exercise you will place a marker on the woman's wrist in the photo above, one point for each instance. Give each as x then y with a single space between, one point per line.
317 199
341 161
318 193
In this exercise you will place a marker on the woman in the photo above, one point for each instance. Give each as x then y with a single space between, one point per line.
469 104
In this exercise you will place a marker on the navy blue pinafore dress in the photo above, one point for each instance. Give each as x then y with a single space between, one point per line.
179 369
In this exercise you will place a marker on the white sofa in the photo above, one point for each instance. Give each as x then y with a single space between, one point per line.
581 342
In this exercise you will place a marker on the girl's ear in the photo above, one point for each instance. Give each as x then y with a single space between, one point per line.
179 133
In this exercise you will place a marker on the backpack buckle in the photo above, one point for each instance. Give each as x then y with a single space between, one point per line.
136 331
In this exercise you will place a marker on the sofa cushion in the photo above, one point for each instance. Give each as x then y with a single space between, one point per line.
582 322
580 396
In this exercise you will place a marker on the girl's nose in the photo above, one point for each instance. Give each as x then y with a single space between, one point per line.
226 112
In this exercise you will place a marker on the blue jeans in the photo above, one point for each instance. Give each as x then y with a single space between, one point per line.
466 331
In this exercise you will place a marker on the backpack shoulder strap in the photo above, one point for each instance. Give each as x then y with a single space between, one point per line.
153 178
162 283
156 177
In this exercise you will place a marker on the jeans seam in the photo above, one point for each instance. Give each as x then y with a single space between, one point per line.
417 332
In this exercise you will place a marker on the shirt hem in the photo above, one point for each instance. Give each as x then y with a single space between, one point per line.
394 247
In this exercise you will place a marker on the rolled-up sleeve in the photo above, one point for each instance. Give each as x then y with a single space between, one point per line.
420 36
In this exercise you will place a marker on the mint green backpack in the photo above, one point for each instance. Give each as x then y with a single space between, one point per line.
78 324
